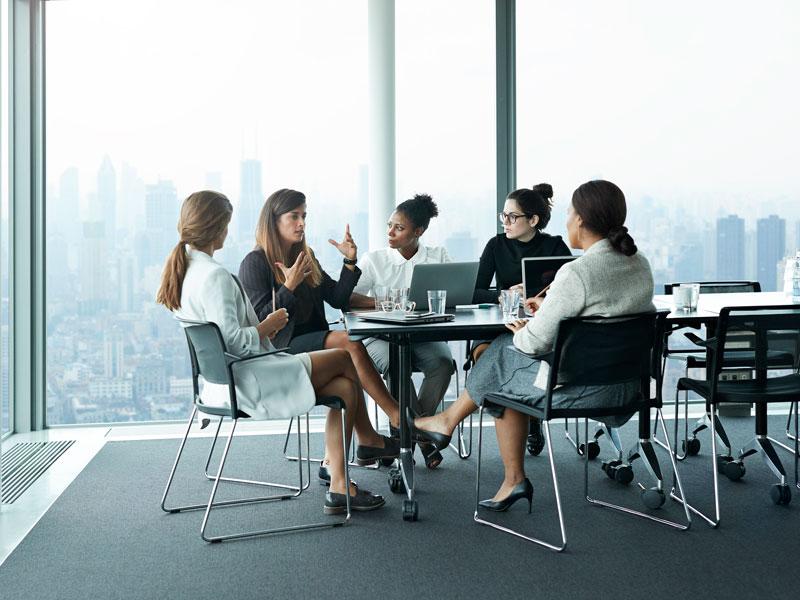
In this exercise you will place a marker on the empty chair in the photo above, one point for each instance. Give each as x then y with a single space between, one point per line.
760 324
598 351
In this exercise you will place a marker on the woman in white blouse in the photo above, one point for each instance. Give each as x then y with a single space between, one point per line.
393 267
194 286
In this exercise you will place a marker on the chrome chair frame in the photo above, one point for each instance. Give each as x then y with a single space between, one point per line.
643 448
192 329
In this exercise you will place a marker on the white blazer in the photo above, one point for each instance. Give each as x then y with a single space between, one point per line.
272 387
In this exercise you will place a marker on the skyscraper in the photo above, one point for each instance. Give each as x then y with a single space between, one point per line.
113 353
106 209
771 243
161 206
93 272
66 208
250 199
730 248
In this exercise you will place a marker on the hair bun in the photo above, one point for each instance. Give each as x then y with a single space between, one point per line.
428 204
622 241
545 189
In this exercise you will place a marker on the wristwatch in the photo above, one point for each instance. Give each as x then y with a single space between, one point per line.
349 261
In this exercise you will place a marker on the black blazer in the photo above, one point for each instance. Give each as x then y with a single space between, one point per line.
305 304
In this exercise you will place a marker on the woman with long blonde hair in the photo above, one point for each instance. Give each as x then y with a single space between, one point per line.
195 287
283 267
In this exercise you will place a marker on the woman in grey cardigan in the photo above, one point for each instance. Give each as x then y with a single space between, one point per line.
611 278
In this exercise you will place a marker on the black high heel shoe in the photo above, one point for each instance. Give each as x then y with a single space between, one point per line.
521 490
439 440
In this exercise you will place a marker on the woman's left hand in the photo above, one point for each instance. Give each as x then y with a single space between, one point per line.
347 247
515 326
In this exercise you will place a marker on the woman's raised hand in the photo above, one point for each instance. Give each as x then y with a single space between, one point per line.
297 272
347 247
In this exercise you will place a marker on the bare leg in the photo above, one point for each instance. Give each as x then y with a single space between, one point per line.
447 420
367 374
512 429
479 349
347 391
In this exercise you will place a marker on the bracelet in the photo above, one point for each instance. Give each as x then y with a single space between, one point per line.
349 261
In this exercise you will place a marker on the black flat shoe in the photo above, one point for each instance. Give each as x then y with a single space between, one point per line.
535 441
367 455
521 490
325 475
363 500
439 440
433 458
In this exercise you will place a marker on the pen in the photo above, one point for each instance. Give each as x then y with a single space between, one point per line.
274 304
542 292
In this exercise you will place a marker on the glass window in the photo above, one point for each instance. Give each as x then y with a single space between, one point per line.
5 398
691 108
148 101
445 90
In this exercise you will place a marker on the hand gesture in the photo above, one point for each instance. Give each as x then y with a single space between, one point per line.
297 273
275 322
348 247
533 304
515 326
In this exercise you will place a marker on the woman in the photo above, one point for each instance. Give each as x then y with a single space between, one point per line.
525 215
393 267
611 278
196 287
301 289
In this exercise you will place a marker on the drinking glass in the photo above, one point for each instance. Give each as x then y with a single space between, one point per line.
686 296
509 299
399 298
436 301
381 294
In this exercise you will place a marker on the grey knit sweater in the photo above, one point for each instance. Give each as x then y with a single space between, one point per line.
601 282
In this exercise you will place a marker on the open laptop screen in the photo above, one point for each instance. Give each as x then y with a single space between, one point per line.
538 272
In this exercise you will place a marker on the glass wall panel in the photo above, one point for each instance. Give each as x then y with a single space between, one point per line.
148 101
5 397
690 107
446 118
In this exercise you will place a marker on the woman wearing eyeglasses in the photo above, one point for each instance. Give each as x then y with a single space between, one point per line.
526 213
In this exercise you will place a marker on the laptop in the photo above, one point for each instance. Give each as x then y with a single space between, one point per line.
538 272
457 278
416 318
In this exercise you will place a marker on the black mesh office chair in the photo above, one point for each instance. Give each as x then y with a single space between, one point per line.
740 357
598 351
210 359
760 324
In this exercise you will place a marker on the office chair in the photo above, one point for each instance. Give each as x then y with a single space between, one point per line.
759 323
210 359
739 358
597 351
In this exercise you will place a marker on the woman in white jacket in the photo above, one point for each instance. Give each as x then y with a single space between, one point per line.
611 278
196 287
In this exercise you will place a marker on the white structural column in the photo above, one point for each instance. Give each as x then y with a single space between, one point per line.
381 119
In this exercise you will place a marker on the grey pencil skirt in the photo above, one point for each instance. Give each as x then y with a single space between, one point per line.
501 369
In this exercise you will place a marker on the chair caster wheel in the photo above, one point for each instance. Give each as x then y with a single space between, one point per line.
410 510
594 450
618 471
781 493
396 481
387 462
732 469
653 498
691 447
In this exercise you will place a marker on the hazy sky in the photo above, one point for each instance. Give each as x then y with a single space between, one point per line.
695 102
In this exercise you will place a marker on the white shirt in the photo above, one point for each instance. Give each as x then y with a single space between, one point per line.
390 268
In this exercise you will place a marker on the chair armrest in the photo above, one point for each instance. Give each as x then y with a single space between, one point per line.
232 358
698 341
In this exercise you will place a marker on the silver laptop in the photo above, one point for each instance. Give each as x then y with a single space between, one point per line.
457 278
538 272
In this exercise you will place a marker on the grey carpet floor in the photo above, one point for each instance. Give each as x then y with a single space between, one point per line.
106 537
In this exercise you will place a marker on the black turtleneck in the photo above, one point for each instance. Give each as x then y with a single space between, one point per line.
502 259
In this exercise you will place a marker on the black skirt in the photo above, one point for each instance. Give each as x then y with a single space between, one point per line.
308 342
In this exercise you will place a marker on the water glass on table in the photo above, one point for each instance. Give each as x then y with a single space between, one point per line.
436 301
399 298
381 294
509 300
686 296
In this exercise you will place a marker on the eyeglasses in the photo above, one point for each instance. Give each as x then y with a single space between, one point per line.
510 217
